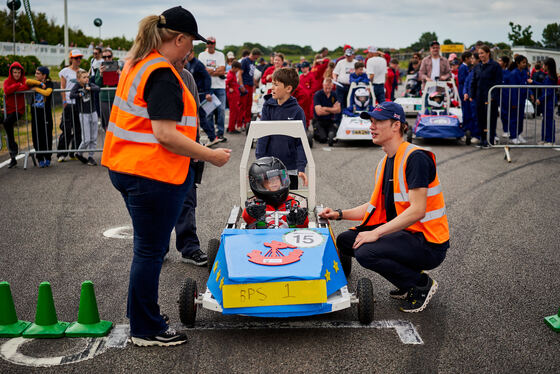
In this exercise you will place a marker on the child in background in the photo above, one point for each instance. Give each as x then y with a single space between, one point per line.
304 91
233 97
359 75
82 93
15 106
41 114
547 99
269 181
283 106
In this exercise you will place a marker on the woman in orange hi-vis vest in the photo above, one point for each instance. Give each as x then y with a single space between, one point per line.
148 147
403 229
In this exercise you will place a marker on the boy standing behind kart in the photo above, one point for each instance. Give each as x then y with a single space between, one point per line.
283 106
233 98
82 93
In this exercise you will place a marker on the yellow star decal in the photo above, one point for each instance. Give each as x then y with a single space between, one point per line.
215 266
335 266
327 275
219 273
222 283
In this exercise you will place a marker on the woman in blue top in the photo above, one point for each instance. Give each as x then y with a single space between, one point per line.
548 100
518 75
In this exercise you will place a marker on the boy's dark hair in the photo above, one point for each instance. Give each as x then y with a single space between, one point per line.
256 52
281 55
236 64
286 76
505 59
538 65
245 53
466 55
394 61
476 55
359 64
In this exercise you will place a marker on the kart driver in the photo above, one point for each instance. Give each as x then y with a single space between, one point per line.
403 229
270 182
361 103
435 102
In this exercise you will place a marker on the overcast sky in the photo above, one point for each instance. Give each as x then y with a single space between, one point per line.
330 23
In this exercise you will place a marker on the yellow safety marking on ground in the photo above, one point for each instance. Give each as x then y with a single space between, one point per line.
274 293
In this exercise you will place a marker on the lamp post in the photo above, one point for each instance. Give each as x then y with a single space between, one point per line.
14 5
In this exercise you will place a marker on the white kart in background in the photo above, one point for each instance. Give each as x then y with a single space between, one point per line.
411 99
355 128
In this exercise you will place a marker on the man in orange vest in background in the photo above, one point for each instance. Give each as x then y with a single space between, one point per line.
403 228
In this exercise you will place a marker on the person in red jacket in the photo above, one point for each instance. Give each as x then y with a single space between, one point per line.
234 98
15 106
304 91
267 75
389 82
270 182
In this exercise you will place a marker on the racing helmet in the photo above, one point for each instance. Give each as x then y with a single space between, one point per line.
361 98
435 100
269 180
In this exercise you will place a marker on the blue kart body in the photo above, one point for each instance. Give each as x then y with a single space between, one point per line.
242 269
437 126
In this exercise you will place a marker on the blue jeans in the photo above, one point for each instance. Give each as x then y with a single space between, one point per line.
379 91
205 121
187 241
219 112
154 207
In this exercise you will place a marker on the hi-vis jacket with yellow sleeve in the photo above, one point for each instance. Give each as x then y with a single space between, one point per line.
130 144
434 225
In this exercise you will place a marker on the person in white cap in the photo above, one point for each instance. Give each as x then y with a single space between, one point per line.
376 68
341 75
230 57
71 135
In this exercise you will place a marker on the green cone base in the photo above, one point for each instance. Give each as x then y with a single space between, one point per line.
78 330
50 331
13 330
553 322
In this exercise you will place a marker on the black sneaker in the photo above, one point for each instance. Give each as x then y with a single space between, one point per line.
197 258
13 163
166 339
91 161
419 297
82 159
221 138
398 294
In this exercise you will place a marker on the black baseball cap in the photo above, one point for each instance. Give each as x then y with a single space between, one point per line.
181 20
386 110
435 42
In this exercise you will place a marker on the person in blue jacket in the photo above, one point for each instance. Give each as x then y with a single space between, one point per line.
464 70
518 75
280 105
471 102
203 83
504 96
486 75
547 99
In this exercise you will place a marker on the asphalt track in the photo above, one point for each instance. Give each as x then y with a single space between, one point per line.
499 280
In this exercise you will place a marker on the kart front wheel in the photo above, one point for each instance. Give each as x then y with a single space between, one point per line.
213 246
364 292
187 304
346 264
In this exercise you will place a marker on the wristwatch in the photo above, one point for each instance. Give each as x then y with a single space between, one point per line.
339 214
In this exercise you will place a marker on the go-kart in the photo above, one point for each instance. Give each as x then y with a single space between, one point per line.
276 272
443 122
353 127
411 99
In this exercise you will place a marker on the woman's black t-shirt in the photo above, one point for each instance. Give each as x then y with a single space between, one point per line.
164 96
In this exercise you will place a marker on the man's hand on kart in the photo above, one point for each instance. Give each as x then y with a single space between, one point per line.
297 216
303 177
256 209
328 213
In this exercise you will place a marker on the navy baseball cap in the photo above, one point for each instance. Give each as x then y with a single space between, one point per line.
386 110
305 64
181 20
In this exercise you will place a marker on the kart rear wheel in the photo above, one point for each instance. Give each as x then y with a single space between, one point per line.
364 292
346 264
409 135
310 139
187 305
213 246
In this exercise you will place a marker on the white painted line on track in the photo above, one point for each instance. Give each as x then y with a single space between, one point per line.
327 149
7 162
118 336
123 232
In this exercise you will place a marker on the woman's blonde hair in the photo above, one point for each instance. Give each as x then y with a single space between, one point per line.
149 37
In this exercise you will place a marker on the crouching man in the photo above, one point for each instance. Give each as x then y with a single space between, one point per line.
403 229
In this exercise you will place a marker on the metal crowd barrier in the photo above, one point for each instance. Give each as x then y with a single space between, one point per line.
61 135
524 123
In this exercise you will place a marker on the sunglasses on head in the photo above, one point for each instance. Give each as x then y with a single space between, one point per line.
77 58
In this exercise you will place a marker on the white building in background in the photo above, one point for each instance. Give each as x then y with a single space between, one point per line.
49 55
535 54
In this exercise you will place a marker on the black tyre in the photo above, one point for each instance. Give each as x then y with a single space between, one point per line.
213 246
468 137
310 139
409 135
187 305
364 292
346 265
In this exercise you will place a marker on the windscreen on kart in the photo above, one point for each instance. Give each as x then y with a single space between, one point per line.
273 180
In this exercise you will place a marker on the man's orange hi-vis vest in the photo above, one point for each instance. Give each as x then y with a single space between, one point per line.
434 225
130 144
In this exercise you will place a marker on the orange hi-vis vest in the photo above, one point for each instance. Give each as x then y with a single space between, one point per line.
434 225
130 145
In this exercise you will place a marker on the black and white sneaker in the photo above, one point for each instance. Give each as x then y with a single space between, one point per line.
398 294
82 159
167 338
419 297
197 258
